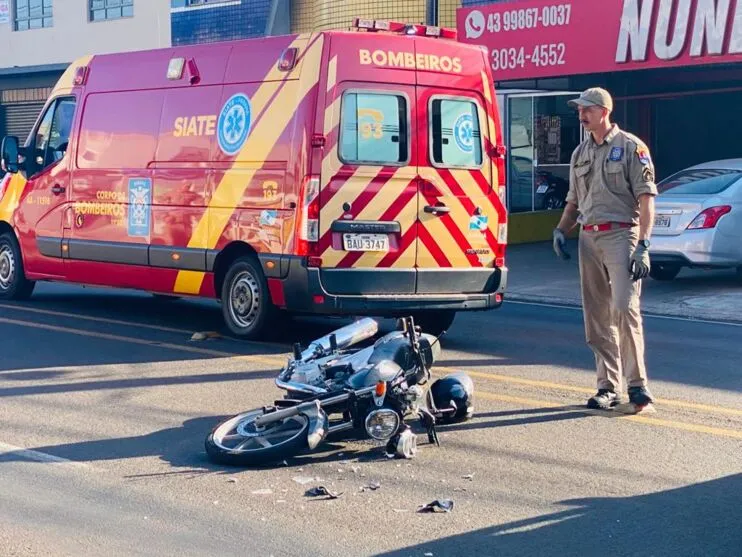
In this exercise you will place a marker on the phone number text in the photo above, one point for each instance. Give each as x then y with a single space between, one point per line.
530 18
543 55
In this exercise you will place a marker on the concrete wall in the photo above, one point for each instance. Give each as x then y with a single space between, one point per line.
73 35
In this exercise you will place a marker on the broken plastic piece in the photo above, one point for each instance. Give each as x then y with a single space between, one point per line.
439 505
322 490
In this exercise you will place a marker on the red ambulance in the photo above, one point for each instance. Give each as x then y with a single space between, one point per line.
356 173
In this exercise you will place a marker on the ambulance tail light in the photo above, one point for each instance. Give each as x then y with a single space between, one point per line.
307 233
709 217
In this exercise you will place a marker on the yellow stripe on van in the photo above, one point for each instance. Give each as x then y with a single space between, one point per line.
12 198
258 146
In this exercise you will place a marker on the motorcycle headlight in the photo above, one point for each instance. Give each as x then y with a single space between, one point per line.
382 424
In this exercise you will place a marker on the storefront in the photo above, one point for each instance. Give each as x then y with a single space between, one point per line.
674 68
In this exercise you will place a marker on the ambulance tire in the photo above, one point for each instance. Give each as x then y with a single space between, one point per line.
13 282
435 322
246 303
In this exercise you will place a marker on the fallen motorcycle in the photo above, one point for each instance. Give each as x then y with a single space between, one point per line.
334 386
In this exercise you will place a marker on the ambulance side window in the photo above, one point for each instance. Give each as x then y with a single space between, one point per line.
456 138
374 129
51 139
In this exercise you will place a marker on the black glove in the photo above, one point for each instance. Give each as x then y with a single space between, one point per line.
560 242
639 265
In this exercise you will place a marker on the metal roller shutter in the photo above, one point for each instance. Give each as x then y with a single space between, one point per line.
19 118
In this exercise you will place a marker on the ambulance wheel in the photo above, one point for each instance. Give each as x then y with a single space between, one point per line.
435 322
246 302
13 282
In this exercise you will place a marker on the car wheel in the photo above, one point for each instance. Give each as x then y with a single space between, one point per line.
664 272
13 282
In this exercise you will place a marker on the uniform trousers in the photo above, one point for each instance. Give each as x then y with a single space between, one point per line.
611 306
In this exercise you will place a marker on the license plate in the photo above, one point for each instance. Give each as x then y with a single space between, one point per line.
542 189
661 221
366 242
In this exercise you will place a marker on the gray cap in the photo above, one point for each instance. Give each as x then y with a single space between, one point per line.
594 96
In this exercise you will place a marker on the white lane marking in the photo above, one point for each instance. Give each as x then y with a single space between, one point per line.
38 456
645 315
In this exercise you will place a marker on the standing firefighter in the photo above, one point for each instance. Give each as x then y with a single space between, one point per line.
611 197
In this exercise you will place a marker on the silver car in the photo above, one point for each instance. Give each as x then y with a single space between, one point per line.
698 220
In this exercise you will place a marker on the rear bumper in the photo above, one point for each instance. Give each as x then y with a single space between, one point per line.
695 248
303 286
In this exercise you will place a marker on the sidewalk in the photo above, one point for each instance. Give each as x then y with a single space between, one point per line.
537 275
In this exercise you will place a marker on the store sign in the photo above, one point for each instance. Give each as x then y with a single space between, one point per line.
549 38
4 11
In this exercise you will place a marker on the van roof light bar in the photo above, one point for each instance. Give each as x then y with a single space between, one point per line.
375 25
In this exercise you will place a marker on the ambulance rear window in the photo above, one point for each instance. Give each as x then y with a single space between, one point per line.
373 129
456 138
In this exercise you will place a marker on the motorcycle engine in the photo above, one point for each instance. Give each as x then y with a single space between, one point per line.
309 373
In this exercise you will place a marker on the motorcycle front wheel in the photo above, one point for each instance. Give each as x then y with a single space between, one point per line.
238 441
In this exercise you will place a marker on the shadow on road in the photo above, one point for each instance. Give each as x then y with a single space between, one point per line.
183 448
136 383
699 519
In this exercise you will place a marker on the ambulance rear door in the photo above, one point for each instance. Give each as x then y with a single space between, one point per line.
368 190
459 211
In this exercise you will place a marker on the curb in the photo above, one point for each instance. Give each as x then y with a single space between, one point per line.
687 314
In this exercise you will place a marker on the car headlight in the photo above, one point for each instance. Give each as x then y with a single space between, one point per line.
382 424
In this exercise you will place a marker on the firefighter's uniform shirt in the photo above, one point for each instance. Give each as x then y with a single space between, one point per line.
605 184
606 180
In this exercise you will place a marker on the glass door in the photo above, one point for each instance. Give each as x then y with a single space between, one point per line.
543 131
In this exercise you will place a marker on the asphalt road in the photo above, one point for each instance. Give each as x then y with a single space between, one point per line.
106 403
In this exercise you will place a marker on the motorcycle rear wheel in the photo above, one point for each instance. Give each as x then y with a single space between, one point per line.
239 442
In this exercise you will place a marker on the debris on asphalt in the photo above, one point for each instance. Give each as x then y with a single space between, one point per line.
262 492
469 477
322 491
439 505
373 486
232 480
205 335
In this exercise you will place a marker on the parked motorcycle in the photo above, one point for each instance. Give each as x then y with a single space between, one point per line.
372 389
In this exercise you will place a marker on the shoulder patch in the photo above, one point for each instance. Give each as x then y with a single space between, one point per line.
643 153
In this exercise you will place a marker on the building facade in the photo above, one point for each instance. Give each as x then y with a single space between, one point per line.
674 68
40 38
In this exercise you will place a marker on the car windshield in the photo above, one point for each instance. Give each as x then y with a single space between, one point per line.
707 181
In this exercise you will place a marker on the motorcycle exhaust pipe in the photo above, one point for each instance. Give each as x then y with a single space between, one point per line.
345 337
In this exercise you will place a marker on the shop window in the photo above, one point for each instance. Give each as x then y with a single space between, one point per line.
456 137
374 129
33 14
543 132
111 9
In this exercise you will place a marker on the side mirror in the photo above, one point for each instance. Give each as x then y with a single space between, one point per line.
10 154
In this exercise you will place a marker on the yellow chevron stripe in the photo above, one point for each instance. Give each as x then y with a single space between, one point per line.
407 259
361 178
12 198
332 119
445 241
332 73
390 191
259 144
406 219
